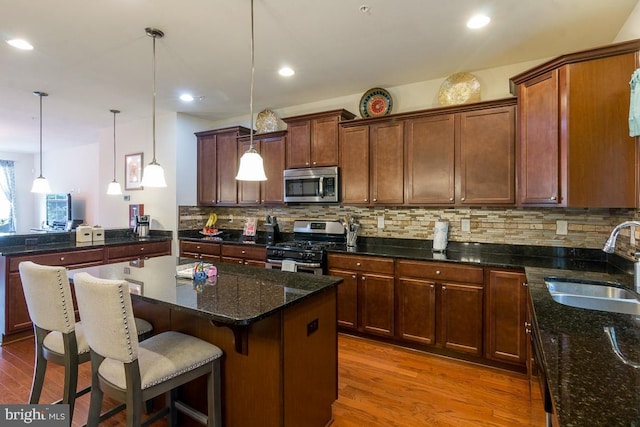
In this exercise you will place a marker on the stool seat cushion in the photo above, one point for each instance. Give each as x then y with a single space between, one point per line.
162 357
53 340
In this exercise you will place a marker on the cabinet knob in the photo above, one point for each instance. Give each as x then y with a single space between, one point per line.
462 199
240 262
61 258
142 248
431 286
363 278
375 200
262 200
306 163
552 198
197 247
451 199
525 284
366 200
444 288
243 252
315 163
353 277
358 264
438 272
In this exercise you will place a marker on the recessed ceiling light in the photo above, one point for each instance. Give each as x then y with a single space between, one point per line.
186 97
20 44
286 72
478 21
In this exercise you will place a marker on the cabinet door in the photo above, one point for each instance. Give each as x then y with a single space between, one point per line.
227 168
387 163
376 303
430 160
354 165
347 298
206 163
298 144
417 306
324 141
539 141
248 191
273 154
487 157
17 312
461 308
506 300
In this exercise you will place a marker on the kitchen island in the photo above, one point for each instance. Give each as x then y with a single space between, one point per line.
277 331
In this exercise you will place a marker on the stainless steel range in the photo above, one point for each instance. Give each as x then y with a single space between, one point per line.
307 252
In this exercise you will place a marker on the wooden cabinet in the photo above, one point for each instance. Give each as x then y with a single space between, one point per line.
271 147
243 254
505 315
574 144
372 163
137 251
217 163
441 304
462 158
366 297
206 251
312 139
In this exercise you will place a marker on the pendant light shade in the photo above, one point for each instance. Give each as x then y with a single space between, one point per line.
251 164
153 174
114 188
40 184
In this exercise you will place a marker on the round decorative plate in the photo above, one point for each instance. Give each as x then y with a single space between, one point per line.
375 102
459 88
267 121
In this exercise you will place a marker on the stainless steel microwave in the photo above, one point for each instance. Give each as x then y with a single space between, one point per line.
311 185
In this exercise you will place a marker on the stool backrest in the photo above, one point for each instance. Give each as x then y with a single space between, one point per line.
107 316
48 295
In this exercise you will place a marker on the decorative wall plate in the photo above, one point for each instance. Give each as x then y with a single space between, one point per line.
459 88
267 121
375 102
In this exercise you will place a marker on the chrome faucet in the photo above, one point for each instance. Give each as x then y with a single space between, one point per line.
610 246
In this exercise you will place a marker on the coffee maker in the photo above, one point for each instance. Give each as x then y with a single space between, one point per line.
142 226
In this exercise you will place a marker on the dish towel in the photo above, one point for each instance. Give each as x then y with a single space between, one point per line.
634 106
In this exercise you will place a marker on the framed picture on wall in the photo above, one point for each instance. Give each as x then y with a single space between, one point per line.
133 171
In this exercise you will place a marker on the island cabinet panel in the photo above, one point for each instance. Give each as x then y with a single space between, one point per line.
313 139
430 160
80 258
206 251
367 302
505 315
441 305
138 251
372 164
243 254
574 130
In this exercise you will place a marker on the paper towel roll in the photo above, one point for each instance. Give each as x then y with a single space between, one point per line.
440 238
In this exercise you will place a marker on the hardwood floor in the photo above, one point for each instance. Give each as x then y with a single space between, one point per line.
378 385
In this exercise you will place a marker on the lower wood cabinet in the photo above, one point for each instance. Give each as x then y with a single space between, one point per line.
243 254
441 304
366 297
137 251
505 307
208 251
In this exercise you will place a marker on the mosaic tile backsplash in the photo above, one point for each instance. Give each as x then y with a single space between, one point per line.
586 228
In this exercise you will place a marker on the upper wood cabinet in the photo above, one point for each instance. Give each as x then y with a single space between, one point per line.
574 143
313 138
271 147
217 163
372 163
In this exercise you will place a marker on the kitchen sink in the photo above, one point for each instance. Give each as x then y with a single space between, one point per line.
593 295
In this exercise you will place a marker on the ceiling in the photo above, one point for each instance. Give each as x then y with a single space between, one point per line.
93 56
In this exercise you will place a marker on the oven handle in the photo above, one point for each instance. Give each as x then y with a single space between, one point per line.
278 263
321 187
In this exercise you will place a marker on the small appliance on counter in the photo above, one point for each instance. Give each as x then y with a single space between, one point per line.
84 234
273 230
142 226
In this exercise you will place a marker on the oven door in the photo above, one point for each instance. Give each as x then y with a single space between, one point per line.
300 267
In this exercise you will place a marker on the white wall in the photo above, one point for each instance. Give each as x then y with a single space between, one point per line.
631 28
25 201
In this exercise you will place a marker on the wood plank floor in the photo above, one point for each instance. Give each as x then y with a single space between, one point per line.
379 385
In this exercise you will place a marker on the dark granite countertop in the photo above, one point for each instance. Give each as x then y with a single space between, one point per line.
239 295
589 385
65 241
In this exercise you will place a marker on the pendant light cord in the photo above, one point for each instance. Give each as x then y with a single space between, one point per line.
40 95
154 100
251 93
114 143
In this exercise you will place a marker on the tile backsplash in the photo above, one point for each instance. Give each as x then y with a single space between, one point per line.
585 228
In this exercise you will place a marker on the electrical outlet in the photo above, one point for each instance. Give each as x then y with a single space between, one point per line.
465 225
381 222
562 227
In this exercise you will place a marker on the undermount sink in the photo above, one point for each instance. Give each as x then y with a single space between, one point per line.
593 295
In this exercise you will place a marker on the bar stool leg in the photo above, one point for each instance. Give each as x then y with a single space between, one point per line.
40 367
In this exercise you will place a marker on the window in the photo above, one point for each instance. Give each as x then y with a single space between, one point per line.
7 196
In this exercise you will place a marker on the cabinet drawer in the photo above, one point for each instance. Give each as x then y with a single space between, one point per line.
440 271
246 252
200 248
79 257
361 263
138 250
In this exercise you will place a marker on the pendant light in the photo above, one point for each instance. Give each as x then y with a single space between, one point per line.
251 164
114 188
40 184
153 174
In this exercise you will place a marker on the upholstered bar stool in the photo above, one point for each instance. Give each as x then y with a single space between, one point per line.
132 372
58 337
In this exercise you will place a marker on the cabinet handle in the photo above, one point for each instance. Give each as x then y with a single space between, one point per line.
438 272
240 262
262 200
375 200
243 252
315 163
525 284
197 247
61 258
353 277
431 286
306 163
366 200
444 288
451 199
462 199
142 248
363 278
552 198
358 264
